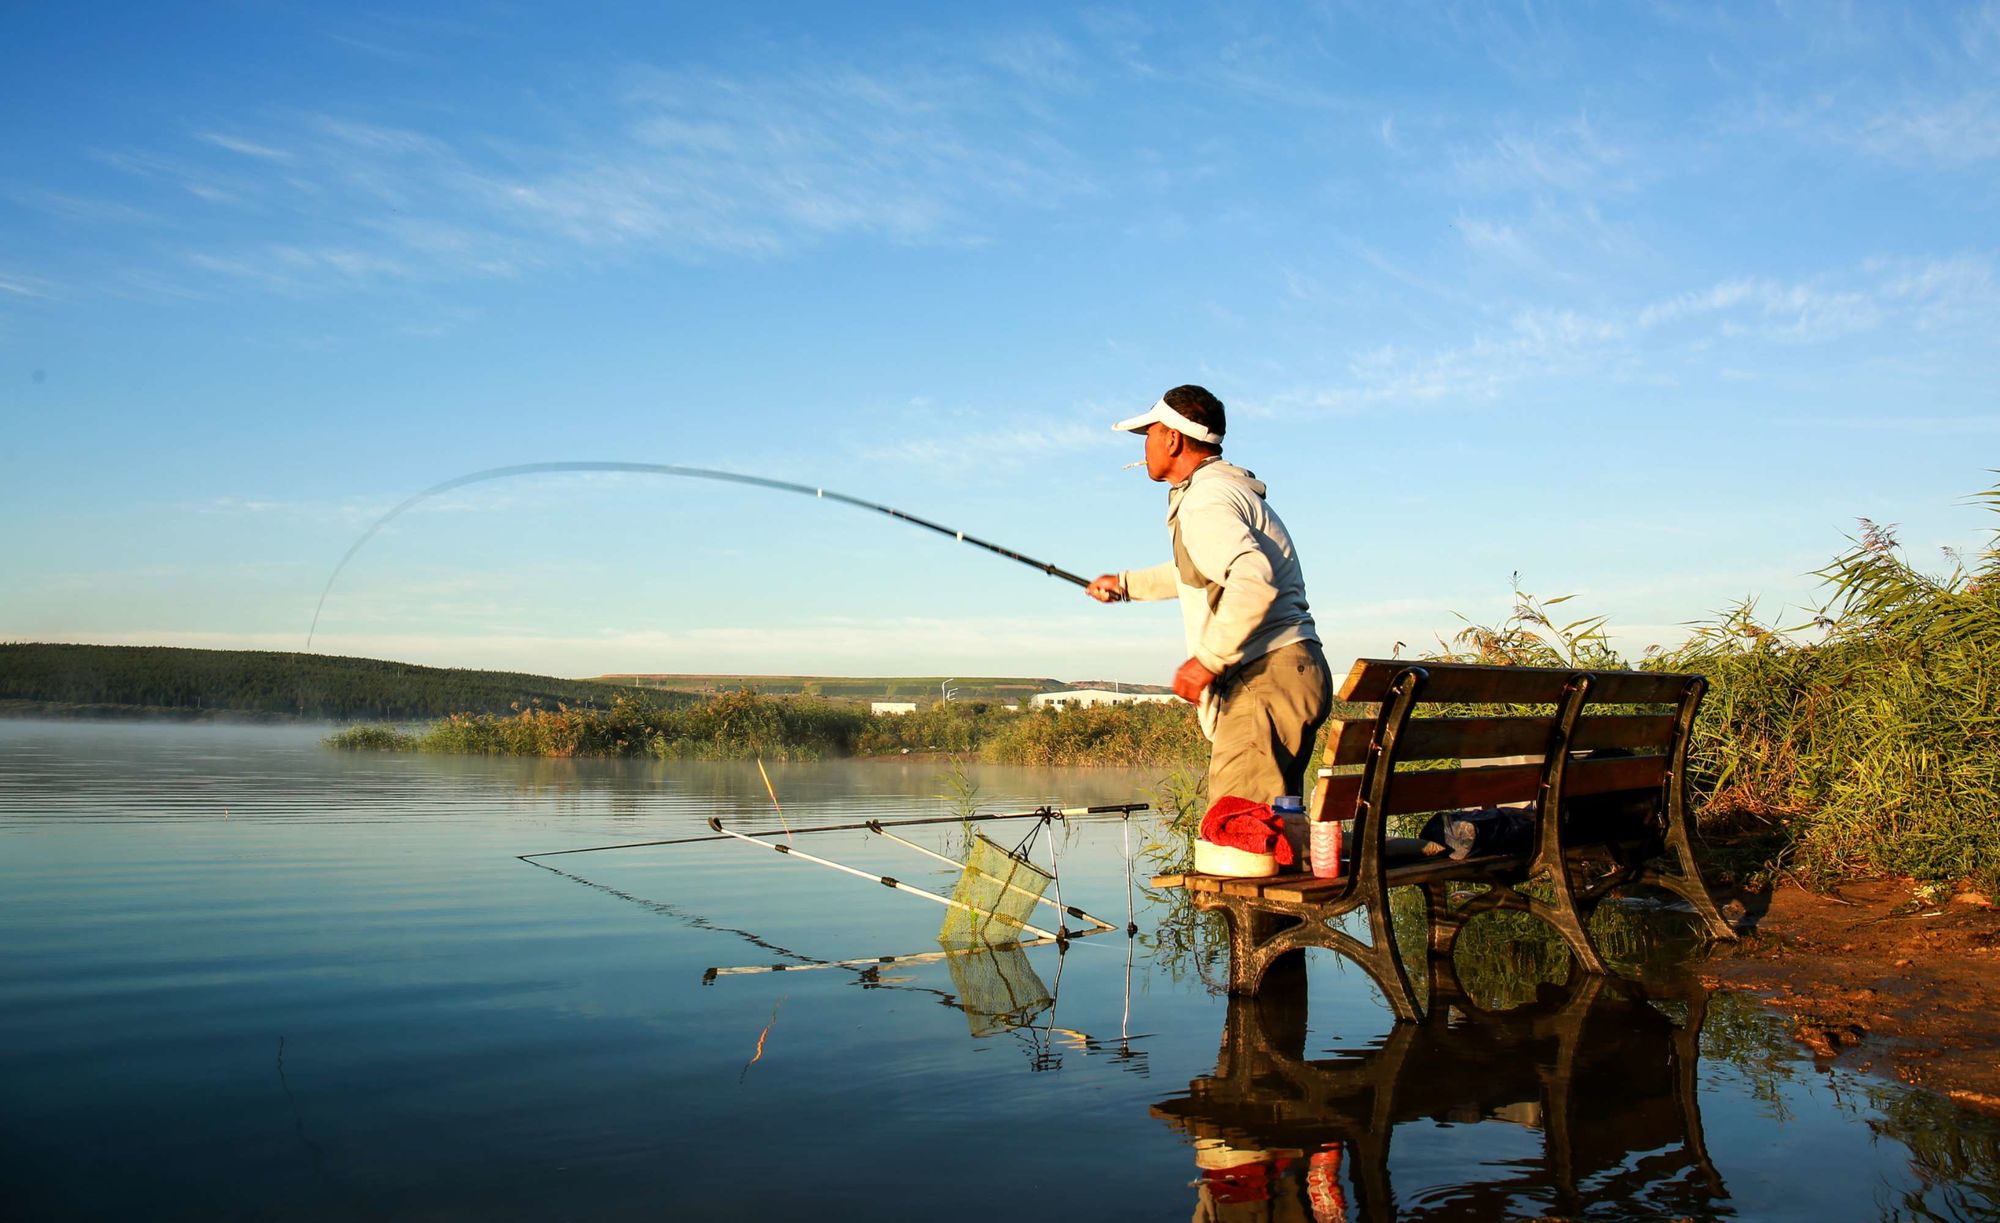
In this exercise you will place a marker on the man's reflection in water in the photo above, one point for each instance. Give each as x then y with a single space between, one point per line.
1282 1186
1605 1076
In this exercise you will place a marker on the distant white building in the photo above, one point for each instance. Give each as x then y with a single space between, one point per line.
1079 698
892 707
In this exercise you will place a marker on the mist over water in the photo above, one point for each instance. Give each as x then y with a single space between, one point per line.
243 976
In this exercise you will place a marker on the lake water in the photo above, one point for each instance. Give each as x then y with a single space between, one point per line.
242 976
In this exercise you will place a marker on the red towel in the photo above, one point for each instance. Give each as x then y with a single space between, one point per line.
1242 824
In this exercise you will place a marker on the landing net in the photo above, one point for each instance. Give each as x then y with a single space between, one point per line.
998 989
1003 885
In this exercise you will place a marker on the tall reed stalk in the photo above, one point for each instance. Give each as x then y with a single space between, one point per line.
1866 741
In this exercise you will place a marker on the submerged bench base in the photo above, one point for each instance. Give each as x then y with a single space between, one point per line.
1275 916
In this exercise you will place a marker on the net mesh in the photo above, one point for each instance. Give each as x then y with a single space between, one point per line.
1003 885
997 988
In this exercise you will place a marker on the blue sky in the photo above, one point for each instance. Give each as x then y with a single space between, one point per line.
1646 302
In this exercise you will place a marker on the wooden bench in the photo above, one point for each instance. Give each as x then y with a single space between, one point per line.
1617 738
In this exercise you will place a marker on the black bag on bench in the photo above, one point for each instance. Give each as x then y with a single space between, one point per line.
1479 832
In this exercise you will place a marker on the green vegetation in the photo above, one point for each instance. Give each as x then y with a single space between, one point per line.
1865 742
1151 733
959 727
99 679
741 725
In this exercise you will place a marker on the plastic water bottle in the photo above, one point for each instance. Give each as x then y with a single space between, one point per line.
1325 848
1291 809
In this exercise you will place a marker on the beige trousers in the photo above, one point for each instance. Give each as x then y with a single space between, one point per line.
1270 710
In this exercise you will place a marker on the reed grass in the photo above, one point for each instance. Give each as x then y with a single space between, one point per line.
1863 742
737 726
742 725
1143 734
373 738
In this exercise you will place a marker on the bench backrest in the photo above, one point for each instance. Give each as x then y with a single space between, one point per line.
1510 757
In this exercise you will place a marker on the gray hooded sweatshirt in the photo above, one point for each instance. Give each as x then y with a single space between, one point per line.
1234 570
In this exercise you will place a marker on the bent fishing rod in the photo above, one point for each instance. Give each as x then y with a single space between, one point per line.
669 469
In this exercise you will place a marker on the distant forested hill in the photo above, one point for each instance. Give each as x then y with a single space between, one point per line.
923 689
131 679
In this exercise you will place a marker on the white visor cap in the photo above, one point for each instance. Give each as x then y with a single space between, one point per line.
1164 415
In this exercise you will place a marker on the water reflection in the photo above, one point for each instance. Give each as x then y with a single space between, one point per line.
260 979
1602 1071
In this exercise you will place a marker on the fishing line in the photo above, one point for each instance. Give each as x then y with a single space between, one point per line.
669 469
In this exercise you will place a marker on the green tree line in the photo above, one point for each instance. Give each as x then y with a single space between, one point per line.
161 678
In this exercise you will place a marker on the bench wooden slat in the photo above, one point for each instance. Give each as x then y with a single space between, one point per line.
1347 739
1475 684
1293 888
1253 886
1610 775
1629 732
1446 789
1309 890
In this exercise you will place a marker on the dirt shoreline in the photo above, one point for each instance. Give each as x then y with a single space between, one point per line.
1880 977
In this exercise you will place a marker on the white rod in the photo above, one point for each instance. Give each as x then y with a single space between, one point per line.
1055 879
884 880
917 957
1005 883
1126 832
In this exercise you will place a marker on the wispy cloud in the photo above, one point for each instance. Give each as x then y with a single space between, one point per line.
1802 311
1494 238
80 209
1946 118
14 284
248 148
761 165
1933 292
1572 157
1953 131
1979 33
676 164
1025 442
1536 344
1041 59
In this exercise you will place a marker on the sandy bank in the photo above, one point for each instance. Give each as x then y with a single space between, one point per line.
1880 977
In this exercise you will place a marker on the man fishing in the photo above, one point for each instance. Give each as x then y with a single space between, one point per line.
1255 669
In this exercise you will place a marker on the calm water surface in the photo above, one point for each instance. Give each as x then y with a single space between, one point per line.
242 976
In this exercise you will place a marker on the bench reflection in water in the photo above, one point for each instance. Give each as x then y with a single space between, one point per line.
1605 1073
